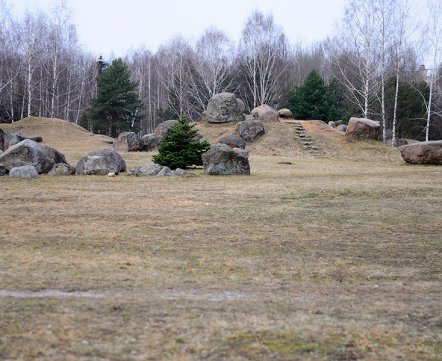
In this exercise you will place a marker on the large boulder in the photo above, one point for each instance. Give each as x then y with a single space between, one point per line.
285 113
233 141
101 162
224 108
161 129
423 152
265 113
249 130
150 141
25 171
62 169
127 142
28 152
220 159
361 128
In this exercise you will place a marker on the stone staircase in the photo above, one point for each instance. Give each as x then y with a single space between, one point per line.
307 142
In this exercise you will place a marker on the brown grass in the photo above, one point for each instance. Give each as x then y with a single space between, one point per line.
324 259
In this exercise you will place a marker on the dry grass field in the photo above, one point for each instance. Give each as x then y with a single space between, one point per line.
335 258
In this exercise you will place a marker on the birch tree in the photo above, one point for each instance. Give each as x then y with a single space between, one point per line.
354 54
434 41
263 55
212 64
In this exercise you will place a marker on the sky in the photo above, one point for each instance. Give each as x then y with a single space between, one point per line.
114 27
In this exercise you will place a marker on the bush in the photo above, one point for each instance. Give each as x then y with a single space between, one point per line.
181 147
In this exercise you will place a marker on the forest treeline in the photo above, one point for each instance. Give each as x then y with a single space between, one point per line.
372 66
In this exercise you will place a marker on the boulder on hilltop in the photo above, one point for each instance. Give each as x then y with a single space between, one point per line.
265 113
362 128
224 108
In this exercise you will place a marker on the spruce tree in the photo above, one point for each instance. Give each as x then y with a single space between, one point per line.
181 147
313 100
116 108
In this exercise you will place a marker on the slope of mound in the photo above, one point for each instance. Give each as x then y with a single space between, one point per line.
281 139
59 134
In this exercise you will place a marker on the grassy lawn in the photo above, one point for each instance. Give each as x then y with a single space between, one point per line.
323 259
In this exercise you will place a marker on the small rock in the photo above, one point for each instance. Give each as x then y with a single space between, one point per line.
342 128
111 174
62 169
147 170
25 172
165 172
285 113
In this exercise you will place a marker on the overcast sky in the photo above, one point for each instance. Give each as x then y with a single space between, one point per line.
117 26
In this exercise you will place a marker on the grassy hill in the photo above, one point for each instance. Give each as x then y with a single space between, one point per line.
59 134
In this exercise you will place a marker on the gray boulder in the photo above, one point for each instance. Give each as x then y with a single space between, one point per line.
220 159
342 128
233 141
101 162
28 152
150 141
224 108
12 138
285 113
62 169
26 172
361 128
166 171
265 113
249 130
127 142
161 129
147 170
423 152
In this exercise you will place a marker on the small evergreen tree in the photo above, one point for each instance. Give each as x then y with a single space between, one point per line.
116 108
313 100
180 147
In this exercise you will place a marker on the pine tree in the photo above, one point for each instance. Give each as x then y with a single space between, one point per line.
181 147
313 100
116 108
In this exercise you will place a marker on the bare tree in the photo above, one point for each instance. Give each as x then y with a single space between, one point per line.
434 41
212 66
263 55
354 53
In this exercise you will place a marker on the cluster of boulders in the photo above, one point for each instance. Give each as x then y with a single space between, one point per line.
158 170
18 159
131 142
